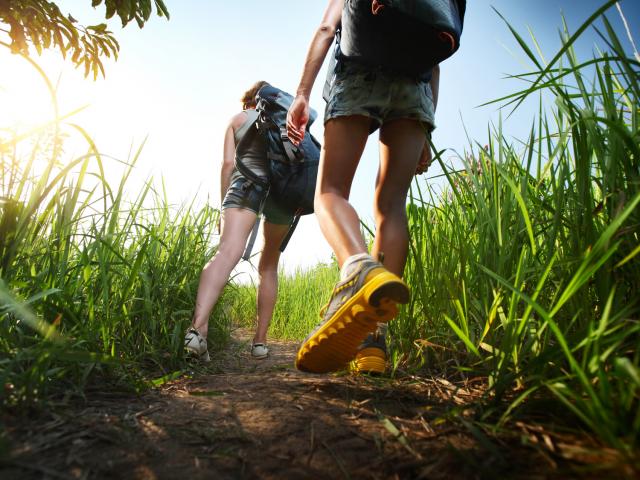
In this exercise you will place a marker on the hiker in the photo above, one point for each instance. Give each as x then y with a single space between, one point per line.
242 200
361 100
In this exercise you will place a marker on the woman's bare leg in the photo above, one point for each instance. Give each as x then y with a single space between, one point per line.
236 226
268 272
344 141
401 143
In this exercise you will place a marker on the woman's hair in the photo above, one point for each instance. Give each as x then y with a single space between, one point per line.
249 98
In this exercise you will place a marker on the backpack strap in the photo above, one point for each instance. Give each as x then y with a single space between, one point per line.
252 239
292 154
252 178
292 227
291 151
285 241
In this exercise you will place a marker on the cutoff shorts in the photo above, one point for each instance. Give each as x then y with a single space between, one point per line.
380 95
250 196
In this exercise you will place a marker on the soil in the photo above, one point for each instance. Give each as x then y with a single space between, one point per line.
246 418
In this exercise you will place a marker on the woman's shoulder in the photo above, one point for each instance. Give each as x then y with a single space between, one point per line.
238 120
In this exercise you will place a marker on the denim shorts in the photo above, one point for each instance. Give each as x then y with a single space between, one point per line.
250 196
380 95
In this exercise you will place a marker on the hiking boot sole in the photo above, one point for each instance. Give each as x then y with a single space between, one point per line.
336 343
370 360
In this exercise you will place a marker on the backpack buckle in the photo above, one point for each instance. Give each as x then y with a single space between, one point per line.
283 135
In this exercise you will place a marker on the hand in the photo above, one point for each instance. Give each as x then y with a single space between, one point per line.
297 119
425 159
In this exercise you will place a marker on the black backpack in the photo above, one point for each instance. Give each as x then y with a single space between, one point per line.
292 169
407 36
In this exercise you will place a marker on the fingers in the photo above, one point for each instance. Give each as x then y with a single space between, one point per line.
296 135
295 128
425 160
297 118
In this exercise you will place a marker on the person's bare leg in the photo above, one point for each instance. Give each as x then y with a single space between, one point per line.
401 142
268 272
344 141
236 226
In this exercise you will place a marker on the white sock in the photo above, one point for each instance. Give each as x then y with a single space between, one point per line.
350 263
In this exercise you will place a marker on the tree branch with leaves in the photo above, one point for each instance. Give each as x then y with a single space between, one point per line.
42 25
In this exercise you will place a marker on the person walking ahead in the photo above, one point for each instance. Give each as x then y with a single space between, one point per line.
242 202
361 100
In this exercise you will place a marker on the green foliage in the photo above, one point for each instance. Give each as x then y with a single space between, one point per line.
93 284
40 23
525 270
301 295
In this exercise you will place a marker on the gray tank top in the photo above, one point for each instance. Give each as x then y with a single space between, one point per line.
255 155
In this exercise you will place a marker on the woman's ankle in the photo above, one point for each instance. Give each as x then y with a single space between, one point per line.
201 329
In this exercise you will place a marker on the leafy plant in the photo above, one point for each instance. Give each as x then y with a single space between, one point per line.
41 24
93 283
525 270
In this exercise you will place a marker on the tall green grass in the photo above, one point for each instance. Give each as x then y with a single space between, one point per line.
94 283
301 295
525 269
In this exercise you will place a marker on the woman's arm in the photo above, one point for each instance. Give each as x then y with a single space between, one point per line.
298 115
435 85
426 158
229 153
228 156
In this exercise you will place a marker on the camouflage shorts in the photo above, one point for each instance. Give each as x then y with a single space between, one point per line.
379 95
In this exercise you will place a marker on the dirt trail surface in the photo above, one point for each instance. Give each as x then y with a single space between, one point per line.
244 418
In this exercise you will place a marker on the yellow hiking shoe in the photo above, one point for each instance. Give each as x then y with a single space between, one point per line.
358 303
372 355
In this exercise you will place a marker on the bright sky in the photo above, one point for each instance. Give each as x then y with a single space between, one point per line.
178 82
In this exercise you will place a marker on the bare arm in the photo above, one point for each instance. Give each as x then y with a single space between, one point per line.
426 158
320 44
298 115
229 153
435 85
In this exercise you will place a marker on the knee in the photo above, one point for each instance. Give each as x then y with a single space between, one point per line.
328 196
228 253
389 208
319 201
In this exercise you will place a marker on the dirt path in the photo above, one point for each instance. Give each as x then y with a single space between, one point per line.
263 419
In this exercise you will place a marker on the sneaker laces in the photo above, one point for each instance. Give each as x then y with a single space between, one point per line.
325 307
339 287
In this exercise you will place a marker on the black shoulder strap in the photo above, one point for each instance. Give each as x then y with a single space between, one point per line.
252 239
292 227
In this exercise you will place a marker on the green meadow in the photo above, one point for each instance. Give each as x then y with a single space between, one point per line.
524 268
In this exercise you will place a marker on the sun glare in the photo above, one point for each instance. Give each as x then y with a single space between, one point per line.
25 101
